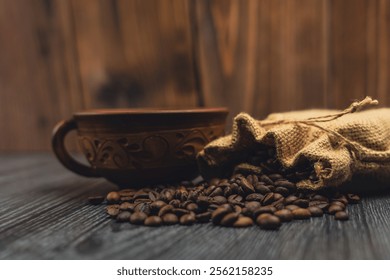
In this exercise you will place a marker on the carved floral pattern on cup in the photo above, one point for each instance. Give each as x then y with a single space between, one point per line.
123 152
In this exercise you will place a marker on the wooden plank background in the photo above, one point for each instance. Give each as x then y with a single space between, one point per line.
262 56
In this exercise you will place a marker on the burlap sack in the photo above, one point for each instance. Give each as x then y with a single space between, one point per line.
338 145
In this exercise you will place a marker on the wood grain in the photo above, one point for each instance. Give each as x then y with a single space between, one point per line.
258 56
44 215
262 56
39 81
135 53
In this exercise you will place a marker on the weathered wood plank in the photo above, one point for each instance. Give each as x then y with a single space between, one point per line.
262 56
352 51
48 218
39 81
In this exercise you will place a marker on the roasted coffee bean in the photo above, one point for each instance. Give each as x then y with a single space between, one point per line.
279 204
268 199
261 188
237 209
213 207
227 191
334 208
320 198
341 216
153 196
315 211
123 216
218 214
166 195
275 176
203 201
285 184
229 219
235 198
301 214
180 212
303 203
112 210
264 209
252 178
210 189
339 203
141 194
127 192
175 203
157 205
193 196
170 219
290 199
216 192
153 221
252 205
291 207
165 209
268 221
203 217
126 206
341 198
243 221
219 200
284 215
138 218
113 197
282 190
96 200
181 194
187 219
246 186
266 180
254 197
142 207
192 207
353 198
320 204
127 199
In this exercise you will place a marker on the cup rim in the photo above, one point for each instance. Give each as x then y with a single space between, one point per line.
149 111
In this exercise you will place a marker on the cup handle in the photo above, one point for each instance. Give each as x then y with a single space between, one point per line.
57 142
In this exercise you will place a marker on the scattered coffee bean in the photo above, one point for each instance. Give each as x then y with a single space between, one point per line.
112 211
334 208
284 215
113 197
301 214
315 211
218 214
123 216
243 221
170 219
153 221
203 217
187 219
268 221
268 199
353 198
341 216
138 218
291 207
229 219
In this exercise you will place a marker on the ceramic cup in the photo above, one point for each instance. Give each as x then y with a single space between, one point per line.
141 146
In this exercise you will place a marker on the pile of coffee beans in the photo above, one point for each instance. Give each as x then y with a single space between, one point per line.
267 200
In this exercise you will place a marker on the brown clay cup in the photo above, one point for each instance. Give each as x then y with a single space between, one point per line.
138 147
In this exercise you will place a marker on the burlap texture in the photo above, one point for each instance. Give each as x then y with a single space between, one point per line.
338 145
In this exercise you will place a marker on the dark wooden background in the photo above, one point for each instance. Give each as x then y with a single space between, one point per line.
258 56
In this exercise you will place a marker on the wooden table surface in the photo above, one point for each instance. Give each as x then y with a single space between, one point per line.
44 215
